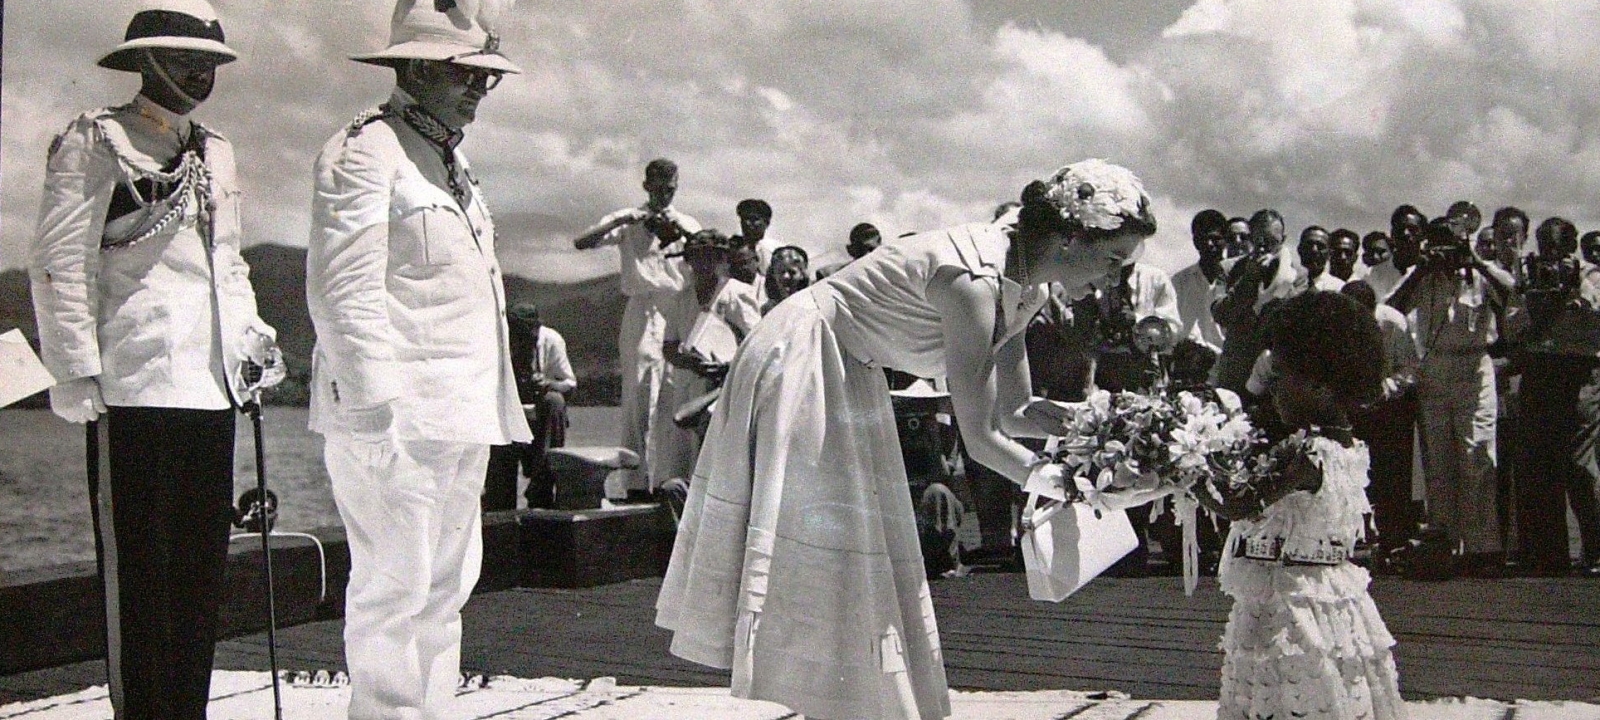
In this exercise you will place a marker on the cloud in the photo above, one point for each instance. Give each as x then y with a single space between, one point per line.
911 118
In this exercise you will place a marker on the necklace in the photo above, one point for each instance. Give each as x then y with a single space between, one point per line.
1019 269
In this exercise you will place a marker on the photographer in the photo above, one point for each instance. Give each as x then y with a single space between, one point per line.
1557 358
649 278
1457 297
1134 293
1266 275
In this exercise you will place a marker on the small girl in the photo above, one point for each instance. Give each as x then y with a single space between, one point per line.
1304 638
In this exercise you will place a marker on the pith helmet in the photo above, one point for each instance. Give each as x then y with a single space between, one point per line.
172 24
458 31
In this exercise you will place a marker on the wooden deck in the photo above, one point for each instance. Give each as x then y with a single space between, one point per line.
1536 639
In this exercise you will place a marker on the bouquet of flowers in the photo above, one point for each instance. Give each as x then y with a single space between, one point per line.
1118 451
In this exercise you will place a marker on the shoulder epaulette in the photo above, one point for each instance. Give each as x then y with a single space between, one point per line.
367 118
92 117
208 132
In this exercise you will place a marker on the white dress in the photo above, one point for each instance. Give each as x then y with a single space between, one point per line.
1305 640
797 562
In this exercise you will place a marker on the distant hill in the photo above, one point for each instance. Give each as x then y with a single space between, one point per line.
588 314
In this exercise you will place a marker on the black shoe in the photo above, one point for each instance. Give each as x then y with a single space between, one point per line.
1591 570
1484 565
635 497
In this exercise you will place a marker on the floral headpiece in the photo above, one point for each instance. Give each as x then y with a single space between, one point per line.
1096 193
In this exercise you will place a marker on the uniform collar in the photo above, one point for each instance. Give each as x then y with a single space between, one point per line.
406 107
161 119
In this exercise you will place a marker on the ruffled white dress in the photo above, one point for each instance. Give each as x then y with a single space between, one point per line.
797 563
1305 640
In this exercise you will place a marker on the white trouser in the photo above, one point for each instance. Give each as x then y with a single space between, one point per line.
411 514
643 372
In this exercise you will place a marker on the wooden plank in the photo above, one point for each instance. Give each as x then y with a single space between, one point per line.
1503 639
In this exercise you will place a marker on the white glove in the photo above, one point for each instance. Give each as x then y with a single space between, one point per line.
78 400
260 352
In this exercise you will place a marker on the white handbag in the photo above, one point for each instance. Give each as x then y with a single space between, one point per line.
1065 545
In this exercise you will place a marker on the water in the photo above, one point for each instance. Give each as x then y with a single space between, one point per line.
44 501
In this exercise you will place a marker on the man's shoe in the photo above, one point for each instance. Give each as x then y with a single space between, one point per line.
1592 570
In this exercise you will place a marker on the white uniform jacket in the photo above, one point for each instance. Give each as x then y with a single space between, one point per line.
139 318
405 291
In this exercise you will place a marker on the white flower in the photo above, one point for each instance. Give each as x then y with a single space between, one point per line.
1096 193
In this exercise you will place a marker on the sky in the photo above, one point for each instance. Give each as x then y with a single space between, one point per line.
911 116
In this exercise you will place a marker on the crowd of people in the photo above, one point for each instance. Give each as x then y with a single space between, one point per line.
797 562
1484 432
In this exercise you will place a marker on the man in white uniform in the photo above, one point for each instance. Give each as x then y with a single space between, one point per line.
146 316
648 237
412 378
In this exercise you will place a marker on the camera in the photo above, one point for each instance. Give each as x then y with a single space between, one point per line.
1112 323
666 230
1549 276
1549 284
1446 250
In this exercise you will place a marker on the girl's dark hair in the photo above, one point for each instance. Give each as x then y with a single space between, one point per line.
1361 292
1332 340
1041 216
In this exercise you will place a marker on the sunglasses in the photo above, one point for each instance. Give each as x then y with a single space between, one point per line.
474 77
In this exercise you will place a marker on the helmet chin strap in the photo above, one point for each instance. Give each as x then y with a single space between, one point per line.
161 72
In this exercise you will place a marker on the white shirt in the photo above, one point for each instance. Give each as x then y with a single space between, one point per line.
1151 293
646 269
1326 282
765 247
1400 351
1384 278
1194 296
550 358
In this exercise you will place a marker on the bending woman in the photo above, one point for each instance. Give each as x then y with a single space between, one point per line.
797 563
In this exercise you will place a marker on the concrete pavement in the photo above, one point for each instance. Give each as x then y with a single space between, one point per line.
238 695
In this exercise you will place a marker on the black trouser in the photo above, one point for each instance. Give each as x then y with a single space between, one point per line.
1389 430
548 420
1585 495
161 536
1547 470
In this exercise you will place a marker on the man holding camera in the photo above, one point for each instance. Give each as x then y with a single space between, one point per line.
1457 298
650 277
1254 282
1557 358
